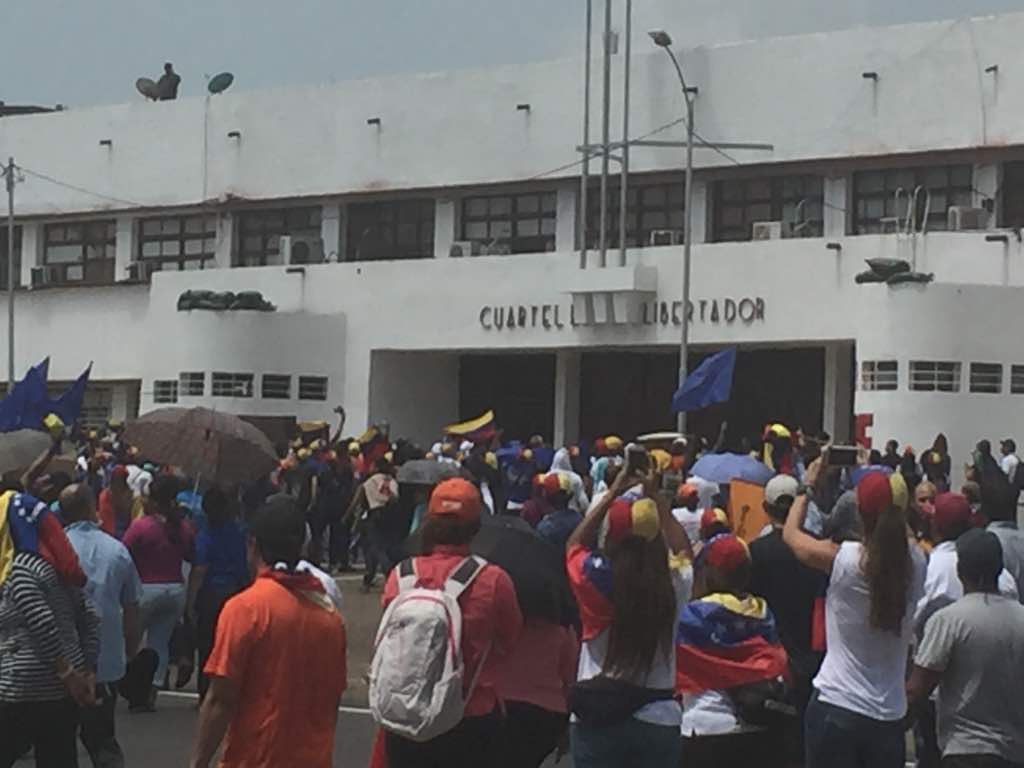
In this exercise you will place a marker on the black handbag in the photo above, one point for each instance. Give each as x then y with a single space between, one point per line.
604 701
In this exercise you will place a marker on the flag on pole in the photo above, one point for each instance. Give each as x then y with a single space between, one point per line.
709 383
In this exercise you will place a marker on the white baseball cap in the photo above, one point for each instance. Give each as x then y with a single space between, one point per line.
779 486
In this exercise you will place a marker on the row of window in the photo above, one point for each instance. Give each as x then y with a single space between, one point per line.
940 376
273 386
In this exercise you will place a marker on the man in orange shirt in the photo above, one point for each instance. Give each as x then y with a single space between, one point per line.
278 664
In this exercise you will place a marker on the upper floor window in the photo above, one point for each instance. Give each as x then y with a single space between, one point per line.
883 198
232 384
522 223
654 213
312 387
165 392
929 376
986 378
178 242
276 386
879 375
393 229
192 383
1013 195
79 252
260 233
3 257
794 201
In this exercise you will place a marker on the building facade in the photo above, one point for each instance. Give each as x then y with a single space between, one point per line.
420 239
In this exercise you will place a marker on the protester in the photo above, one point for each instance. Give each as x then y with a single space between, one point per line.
791 590
891 457
854 717
624 710
936 463
48 637
973 651
115 503
491 626
687 510
278 666
562 462
114 588
377 498
536 679
922 512
999 507
558 525
219 571
1009 461
159 542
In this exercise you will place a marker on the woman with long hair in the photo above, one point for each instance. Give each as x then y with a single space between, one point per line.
159 542
629 594
859 701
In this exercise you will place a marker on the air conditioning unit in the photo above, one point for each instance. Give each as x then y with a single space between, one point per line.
44 276
301 249
767 230
142 271
462 248
666 237
962 217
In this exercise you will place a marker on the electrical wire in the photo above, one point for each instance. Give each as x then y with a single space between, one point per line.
76 188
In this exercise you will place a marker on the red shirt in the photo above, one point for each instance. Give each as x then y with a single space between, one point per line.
542 666
490 617
288 656
157 551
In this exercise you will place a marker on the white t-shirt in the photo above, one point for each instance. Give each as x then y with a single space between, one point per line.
663 671
1009 464
864 667
709 713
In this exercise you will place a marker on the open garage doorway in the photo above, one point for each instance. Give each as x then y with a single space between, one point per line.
520 388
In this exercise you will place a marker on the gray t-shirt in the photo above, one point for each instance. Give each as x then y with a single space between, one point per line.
977 643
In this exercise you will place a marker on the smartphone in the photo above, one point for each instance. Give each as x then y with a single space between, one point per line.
638 461
842 455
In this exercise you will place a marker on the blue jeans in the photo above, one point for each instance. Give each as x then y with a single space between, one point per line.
838 738
630 744
160 608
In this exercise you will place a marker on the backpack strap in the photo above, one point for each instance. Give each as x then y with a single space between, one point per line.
407 577
463 575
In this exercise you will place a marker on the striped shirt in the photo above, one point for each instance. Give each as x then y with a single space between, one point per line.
42 620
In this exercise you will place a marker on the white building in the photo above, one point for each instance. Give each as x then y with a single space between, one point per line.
386 175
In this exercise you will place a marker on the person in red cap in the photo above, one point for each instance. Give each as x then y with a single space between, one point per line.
561 521
855 715
491 625
115 503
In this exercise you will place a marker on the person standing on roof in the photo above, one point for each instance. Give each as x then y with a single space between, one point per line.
167 85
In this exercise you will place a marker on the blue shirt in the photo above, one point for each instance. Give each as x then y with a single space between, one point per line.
558 526
112 584
222 549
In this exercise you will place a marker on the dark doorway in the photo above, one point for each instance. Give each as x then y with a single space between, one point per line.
629 393
520 389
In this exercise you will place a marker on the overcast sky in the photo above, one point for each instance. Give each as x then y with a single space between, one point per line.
56 51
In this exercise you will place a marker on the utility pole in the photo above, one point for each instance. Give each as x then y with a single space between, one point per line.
9 178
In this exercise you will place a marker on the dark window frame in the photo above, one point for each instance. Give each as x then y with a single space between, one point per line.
779 200
937 371
268 226
187 384
272 393
641 205
879 375
234 379
304 388
909 178
385 217
165 391
92 269
207 236
985 378
542 212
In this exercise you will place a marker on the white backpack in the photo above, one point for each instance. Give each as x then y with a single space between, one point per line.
416 676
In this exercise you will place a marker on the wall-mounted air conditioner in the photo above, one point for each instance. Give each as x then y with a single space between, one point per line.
666 237
962 217
302 249
766 230
141 271
45 275
462 248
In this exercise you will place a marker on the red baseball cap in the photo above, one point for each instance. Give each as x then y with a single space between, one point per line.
456 497
726 552
874 495
951 510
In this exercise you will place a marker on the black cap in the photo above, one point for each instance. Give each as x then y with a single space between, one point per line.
979 557
1009 445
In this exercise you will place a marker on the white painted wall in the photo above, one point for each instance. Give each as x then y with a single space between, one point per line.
416 392
803 94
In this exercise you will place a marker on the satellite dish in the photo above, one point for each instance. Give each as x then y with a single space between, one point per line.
146 87
220 83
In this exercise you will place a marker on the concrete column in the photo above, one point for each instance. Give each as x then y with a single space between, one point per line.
330 231
119 403
837 401
701 210
125 249
565 227
445 226
567 397
31 249
837 201
225 241
987 180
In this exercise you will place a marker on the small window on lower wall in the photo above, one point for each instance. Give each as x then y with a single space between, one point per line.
1017 379
165 391
312 387
930 376
232 384
276 386
192 383
986 378
879 375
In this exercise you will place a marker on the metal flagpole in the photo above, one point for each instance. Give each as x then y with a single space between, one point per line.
9 177
585 175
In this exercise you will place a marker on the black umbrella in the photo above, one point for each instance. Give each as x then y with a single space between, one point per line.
537 569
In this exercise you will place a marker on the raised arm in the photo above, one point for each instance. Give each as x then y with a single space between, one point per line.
814 553
586 532
675 535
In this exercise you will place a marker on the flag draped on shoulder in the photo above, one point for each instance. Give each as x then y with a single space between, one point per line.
724 641
709 383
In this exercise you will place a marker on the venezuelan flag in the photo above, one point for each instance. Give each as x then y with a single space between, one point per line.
724 641
475 430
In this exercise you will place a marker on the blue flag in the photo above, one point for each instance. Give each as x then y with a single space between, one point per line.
28 403
709 383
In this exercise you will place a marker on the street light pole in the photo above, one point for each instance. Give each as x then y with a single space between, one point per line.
9 178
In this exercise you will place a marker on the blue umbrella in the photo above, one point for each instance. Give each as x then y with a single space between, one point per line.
724 467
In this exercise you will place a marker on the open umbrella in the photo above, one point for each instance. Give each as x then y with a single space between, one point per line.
724 467
219 447
20 448
536 568
426 472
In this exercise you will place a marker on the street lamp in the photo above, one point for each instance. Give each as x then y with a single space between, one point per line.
663 40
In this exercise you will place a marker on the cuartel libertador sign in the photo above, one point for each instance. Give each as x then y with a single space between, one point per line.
502 317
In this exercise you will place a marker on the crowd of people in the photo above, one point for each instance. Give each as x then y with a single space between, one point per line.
678 638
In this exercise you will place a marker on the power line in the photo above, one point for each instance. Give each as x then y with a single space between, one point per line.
76 188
